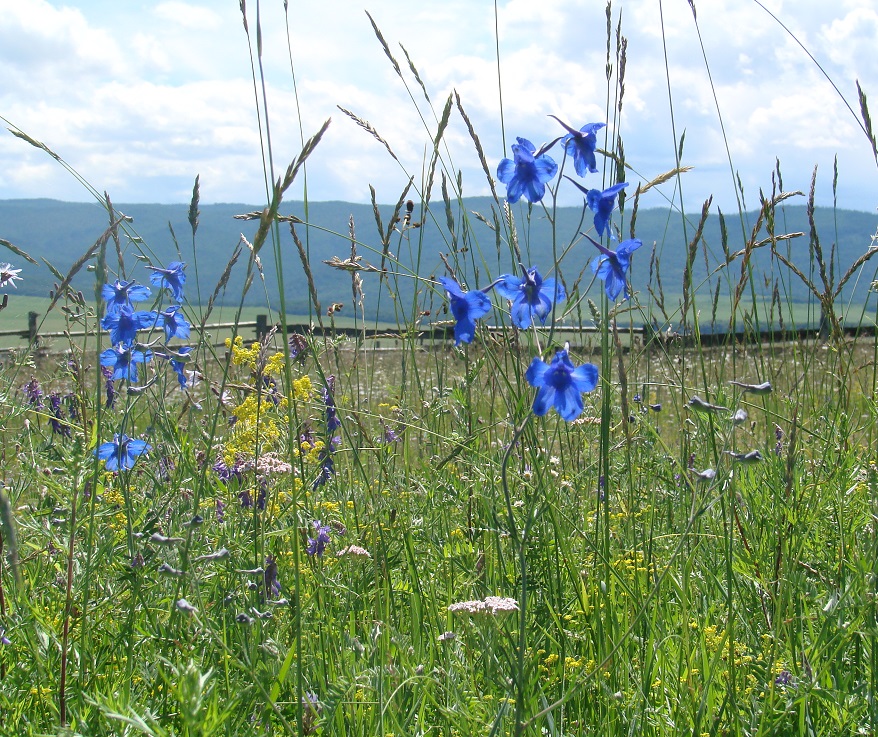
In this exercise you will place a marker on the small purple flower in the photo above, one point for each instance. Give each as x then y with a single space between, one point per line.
121 452
531 296
171 278
124 323
72 406
581 145
225 473
33 393
4 640
123 361
561 384
175 326
109 387
327 468
332 421
123 293
220 510
611 266
527 174
467 307
56 418
272 585
317 545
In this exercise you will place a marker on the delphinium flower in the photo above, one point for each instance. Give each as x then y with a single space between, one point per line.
171 278
123 293
317 544
174 325
527 174
601 203
8 276
561 384
124 323
180 366
467 307
123 361
121 452
531 295
56 418
581 145
33 393
612 266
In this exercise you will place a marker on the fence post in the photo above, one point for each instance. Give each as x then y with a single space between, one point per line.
32 327
261 327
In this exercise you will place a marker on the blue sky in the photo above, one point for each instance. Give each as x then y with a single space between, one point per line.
139 97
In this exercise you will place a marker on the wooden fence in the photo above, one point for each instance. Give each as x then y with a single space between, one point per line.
440 335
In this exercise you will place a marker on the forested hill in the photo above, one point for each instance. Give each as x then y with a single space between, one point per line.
60 232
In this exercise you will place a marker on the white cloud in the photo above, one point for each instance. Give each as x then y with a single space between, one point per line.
142 100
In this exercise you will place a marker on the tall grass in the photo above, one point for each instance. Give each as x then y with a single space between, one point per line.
325 539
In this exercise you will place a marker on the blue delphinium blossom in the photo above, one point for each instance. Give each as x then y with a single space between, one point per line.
123 361
531 295
467 307
581 145
611 266
527 174
601 203
180 366
317 545
121 452
561 384
175 326
171 278
123 293
124 323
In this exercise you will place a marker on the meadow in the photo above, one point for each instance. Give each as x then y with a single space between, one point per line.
524 529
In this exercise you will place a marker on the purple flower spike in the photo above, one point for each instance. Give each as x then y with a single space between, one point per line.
561 384
527 174
467 307
317 545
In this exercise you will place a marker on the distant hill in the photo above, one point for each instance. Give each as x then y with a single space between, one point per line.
61 232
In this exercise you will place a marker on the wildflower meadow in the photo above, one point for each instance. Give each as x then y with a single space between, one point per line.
570 498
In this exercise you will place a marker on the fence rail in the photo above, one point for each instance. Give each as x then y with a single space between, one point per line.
639 335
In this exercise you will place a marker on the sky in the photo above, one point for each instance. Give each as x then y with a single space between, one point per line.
140 97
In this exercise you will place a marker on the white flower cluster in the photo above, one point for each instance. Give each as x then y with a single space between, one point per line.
492 605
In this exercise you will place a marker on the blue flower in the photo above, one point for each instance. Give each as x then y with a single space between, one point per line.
124 323
316 545
528 174
561 384
467 307
601 204
123 361
171 278
531 296
123 293
122 452
611 266
581 145
180 366
176 326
